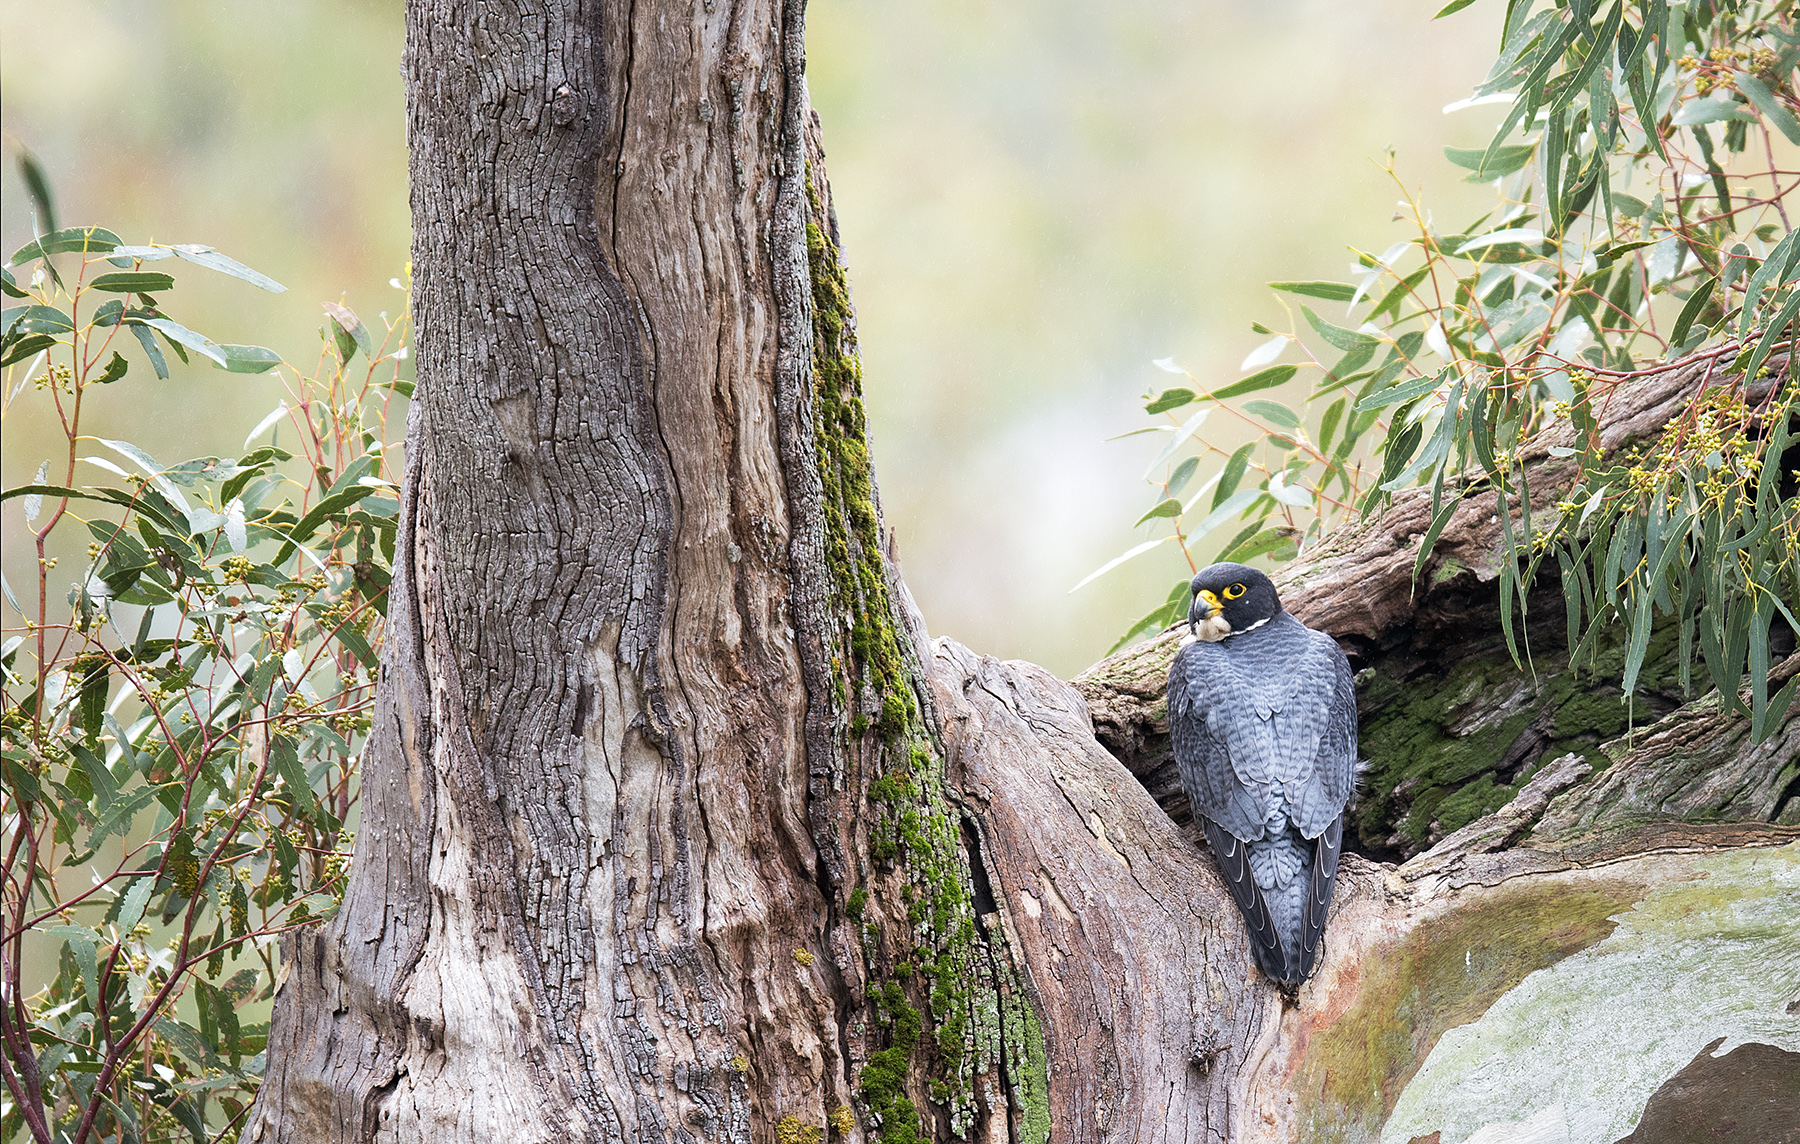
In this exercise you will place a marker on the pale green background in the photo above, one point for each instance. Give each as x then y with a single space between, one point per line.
1037 199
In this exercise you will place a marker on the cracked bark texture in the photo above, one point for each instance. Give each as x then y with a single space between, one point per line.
673 815
584 871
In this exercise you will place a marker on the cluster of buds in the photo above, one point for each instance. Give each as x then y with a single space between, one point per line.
238 568
338 860
57 377
1715 71
350 723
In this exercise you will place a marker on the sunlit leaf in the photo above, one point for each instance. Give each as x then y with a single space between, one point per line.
1264 379
350 333
133 282
1177 440
1130 554
1264 354
1329 291
181 335
1291 495
1337 335
211 259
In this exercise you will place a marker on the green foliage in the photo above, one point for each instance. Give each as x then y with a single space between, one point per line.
1641 221
182 726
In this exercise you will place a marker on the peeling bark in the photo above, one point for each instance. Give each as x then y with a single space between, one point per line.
677 825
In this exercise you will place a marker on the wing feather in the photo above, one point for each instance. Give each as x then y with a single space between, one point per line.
1203 757
1234 864
1326 849
1321 795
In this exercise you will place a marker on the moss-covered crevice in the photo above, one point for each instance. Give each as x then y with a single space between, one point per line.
931 994
1445 748
875 667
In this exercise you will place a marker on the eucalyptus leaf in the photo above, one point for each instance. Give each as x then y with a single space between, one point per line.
1329 291
133 282
1765 102
211 259
1712 109
181 335
1167 508
1504 161
1263 379
1273 411
1337 335
1169 399
68 240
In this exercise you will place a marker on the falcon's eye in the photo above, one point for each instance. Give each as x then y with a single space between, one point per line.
1234 591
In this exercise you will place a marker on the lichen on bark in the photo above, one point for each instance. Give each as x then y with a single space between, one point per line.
929 968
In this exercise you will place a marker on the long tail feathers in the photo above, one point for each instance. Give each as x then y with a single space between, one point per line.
1265 943
1271 953
1326 849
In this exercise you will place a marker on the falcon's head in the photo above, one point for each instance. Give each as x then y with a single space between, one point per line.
1230 599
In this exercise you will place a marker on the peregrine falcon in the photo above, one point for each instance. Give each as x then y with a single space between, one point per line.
1263 717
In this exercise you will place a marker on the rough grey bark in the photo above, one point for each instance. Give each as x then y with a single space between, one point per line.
676 824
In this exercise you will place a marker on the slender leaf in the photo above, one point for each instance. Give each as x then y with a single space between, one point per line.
1168 508
1263 379
1232 474
1337 335
1765 102
1131 554
1504 161
211 259
1329 291
70 239
133 282
1170 399
1261 544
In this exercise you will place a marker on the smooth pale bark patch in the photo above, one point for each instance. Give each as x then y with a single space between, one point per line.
1576 1050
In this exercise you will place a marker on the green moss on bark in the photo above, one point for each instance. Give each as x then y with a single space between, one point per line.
1442 974
1445 750
914 827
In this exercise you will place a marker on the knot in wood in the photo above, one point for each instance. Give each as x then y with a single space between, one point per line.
565 105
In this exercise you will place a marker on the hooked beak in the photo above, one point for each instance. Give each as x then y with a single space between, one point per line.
1206 605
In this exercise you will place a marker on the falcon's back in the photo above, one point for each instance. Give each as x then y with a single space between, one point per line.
1263 725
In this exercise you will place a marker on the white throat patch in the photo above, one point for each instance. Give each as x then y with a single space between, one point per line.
1215 628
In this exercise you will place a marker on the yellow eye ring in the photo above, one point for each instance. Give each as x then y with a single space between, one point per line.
1234 591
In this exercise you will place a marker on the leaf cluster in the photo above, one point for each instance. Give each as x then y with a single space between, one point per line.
182 727
1641 225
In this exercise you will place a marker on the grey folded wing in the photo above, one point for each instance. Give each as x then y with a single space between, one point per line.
1203 755
1330 714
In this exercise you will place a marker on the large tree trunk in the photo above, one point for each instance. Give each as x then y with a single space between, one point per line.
676 826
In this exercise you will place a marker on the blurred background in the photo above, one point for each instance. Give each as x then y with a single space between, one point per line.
1036 201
